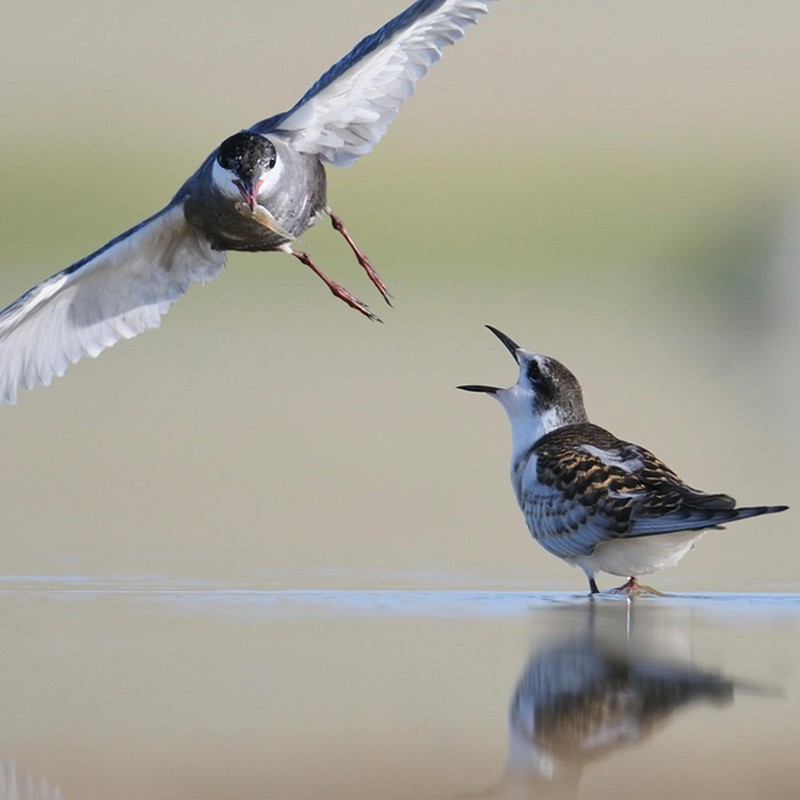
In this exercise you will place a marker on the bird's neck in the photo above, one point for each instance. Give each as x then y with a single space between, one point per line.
527 429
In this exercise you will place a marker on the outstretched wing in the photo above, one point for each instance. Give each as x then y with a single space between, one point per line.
115 293
347 111
592 487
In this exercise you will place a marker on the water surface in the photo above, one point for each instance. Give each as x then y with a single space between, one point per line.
146 687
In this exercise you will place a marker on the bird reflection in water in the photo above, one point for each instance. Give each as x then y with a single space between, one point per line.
582 697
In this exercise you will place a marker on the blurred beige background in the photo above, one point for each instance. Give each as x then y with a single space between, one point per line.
614 184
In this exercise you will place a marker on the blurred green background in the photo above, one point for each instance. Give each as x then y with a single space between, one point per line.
613 184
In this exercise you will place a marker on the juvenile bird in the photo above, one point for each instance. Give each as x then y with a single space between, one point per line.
258 191
595 501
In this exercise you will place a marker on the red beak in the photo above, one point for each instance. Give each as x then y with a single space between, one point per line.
249 192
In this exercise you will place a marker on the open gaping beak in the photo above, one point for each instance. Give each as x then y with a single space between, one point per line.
512 348
479 388
510 344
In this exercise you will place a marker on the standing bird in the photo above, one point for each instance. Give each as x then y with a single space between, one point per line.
591 499
258 191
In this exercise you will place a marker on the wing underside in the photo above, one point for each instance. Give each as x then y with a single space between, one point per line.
347 111
115 293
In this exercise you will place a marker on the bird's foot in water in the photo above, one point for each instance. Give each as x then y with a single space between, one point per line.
632 587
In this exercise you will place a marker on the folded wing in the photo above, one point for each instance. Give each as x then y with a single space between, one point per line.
605 489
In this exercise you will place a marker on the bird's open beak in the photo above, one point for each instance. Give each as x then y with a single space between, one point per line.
249 192
510 344
512 348
477 388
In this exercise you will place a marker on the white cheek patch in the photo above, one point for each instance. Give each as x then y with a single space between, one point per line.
223 179
270 179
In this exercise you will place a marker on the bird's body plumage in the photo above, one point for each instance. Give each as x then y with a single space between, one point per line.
247 203
591 499
296 199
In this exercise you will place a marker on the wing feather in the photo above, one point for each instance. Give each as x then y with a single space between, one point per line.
591 487
347 111
115 293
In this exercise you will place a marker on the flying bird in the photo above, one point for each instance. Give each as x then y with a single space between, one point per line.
258 191
593 500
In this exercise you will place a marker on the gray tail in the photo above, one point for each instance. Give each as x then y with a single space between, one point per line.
755 511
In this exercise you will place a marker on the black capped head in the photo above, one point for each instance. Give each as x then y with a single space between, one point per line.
243 163
247 154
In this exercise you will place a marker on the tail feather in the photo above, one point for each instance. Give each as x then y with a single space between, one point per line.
697 517
756 511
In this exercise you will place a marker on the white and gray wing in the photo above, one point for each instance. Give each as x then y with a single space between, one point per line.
115 293
347 111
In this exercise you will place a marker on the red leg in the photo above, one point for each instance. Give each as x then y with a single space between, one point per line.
337 289
631 585
338 225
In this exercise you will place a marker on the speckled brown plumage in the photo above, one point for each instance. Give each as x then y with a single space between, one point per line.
586 476
590 498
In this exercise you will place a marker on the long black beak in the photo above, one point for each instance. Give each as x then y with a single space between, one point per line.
512 348
510 344
476 388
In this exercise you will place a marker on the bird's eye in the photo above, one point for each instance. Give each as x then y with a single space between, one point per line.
534 371
228 154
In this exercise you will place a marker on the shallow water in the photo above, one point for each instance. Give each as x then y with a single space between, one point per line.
148 687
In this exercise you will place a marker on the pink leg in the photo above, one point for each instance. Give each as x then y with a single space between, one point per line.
338 225
337 289
631 585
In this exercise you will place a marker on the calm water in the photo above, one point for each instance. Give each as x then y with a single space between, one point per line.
151 688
